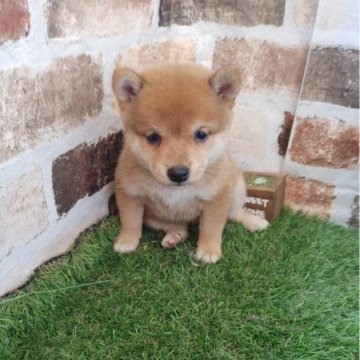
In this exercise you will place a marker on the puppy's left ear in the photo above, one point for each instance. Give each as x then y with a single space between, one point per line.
226 83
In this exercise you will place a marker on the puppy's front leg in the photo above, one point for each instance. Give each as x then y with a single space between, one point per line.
131 211
212 222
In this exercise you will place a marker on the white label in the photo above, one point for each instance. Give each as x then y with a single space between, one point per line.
257 201
256 212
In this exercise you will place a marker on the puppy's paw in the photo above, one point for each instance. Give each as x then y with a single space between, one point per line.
257 224
208 255
125 244
254 223
172 239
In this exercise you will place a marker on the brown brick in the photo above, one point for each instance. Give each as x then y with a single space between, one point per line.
325 142
36 108
138 57
14 19
84 171
230 12
23 211
284 136
332 76
311 196
83 18
305 12
266 66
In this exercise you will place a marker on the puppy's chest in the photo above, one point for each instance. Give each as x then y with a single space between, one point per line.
178 205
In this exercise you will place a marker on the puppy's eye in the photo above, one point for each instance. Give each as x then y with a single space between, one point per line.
153 138
201 136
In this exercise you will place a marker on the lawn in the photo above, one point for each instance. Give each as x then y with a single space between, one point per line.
290 292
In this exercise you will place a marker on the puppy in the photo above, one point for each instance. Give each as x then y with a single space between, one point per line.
174 168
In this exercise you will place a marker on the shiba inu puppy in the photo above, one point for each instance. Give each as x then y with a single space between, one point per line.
174 168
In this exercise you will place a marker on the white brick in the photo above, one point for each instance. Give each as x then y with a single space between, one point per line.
248 133
23 211
331 16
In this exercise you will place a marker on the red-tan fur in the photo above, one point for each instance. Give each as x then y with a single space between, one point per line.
175 101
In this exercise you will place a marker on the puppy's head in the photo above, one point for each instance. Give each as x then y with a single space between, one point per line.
176 117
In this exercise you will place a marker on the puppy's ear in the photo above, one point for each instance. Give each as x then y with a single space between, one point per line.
126 84
226 83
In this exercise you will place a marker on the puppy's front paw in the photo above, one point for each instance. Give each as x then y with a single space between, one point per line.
125 244
208 254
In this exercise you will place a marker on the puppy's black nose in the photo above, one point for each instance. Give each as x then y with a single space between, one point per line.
178 173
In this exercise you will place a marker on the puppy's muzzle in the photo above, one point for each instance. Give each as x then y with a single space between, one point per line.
178 174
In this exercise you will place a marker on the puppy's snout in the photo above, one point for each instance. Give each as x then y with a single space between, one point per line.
178 173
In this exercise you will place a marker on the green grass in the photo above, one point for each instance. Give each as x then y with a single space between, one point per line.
290 292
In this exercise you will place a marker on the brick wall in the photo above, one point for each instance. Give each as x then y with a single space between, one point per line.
60 136
323 156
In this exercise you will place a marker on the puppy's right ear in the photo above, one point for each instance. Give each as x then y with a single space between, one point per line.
126 84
